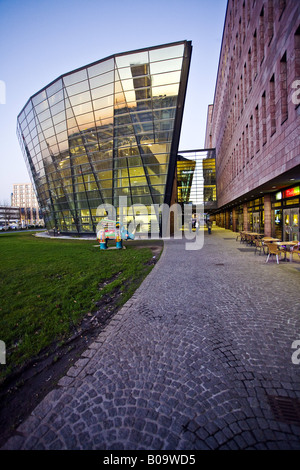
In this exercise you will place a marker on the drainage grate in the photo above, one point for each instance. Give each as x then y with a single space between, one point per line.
246 249
285 409
219 264
228 238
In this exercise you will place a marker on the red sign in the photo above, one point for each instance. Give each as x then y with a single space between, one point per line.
292 192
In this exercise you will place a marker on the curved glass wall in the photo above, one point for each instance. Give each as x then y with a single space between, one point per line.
107 130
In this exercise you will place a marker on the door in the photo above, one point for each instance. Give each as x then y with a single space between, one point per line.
256 224
291 224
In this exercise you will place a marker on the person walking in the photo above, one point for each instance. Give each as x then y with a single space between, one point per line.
209 224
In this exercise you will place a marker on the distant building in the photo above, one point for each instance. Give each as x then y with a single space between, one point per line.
9 215
254 121
23 196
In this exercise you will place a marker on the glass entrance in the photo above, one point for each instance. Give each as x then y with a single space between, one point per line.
256 224
291 224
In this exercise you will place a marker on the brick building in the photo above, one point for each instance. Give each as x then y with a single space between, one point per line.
254 121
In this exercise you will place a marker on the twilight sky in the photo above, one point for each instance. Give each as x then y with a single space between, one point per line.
42 39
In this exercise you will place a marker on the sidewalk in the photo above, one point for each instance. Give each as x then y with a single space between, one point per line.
192 361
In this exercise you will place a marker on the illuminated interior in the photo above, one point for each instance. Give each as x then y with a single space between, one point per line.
104 131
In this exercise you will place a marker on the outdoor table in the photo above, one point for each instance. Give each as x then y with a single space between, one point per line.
287 244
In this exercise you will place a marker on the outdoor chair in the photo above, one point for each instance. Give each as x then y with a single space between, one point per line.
295 249
273 251
242 237
259 246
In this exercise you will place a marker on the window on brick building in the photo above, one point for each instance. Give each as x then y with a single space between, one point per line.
244 22
248 12
297 54
243 150
272 105
262 35
247 143
249 69
282 5
256 129
270 20
245 82
264 117
283 89
251 138
255 54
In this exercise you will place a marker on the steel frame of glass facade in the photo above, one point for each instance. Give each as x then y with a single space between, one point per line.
106 130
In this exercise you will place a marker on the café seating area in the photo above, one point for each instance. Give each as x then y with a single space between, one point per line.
273 248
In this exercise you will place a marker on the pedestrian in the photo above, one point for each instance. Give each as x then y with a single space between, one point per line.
209 224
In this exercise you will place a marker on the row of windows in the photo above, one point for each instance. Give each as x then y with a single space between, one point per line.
261 37
254 135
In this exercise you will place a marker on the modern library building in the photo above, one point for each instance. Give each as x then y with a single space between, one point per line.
107 130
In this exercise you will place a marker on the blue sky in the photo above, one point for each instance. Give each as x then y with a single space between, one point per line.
42 39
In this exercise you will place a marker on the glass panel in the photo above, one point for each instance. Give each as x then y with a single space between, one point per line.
49 132
26 110
102 91
75 77
125 73
165 66
85 120
59 117
54 88
56 98
166 90
132 59
61 127
102 80
57 108
46 124
62 136
105 102
166 78
166 53
79 99
100 68
45 115
38 98
105 116
30 116
78 88
82 108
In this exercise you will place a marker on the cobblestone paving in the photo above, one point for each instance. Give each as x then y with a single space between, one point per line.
188 363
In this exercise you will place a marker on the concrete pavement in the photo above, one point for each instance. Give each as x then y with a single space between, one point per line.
194 360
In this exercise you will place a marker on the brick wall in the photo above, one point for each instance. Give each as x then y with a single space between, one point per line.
255 123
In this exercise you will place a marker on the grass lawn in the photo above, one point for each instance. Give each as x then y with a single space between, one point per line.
47 286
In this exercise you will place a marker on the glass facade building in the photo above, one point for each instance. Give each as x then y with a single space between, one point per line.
196 178
106 130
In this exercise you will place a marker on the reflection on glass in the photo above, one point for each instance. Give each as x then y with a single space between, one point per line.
103 131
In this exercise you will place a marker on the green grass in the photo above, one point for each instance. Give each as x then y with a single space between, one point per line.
47 286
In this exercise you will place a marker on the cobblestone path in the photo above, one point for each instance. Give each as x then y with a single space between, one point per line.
190 362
